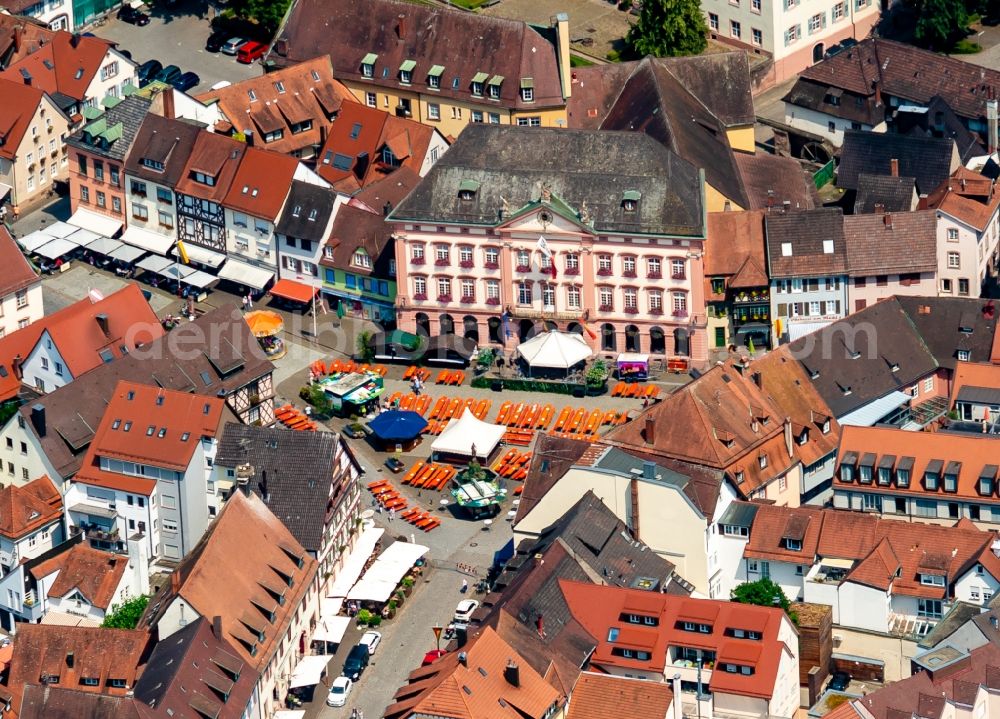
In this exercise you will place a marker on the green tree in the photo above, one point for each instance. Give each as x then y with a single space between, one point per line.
267 13
764 593
668 28
366 345
127 614
941 23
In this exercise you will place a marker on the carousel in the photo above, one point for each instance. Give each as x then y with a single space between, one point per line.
266 326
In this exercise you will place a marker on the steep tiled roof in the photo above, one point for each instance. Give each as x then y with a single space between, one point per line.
20 102
462 43
261 183
599 607
352 155
511 164
968 197
894 194
975 382
771 181
306 91
112 133
41 651
948 324
93 573
53 702
191 670
297 474
360 223
550 460
595 694
213 155
478 688
18 274
20 35
890 243
806 244
26 508
307 212
736 246
162 140
929 160
67 64
215 586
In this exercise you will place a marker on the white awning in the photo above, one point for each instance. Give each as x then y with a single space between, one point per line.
127 254
154 263
801 329
177 271
372 590
396 561
56 248
4 191
245 274
290 714
200 279
309 670
59 229
875 410
331 629
83 237
625 357
462 434
102 245
148 241
348 574
101 224
201 255
555 350
30 243
837 562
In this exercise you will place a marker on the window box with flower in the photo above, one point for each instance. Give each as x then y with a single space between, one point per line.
493 300
680 313
418 260
656 310
606 308
572 271
444 298
631 310
468 299
524 268
442 262
629 273
420 297
654 275
491 265
681 275
466 264
603 271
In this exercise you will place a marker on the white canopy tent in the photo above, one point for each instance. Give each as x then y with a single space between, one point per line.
101 224
31 242
154 264
200 279
127 254
348 574
309 671
101 245
83 237
331 629
59 229
146 240
200 255
462 434
177 271
555 350
290 714
56 248
241 272
372 590
387 572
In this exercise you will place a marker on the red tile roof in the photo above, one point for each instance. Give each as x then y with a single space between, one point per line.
18 274
599 608
261 183
735 246
216 155
95 574
27 508
596 695
79 337
20 102
20 35
967 196
66 64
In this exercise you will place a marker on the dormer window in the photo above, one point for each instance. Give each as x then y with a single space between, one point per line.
986 480
527 89
951 476
803 436
826 427
865 469
932 475
280 87
740 476
493 87
434 77
203 178
368 64
932 580
762 461
847 467
630 201
406 71
152 164
478 83
467 190
793 545
964 355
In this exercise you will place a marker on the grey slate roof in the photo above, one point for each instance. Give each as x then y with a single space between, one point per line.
979 395
130 112
929 160
959 614
796 243
296 474
164 140
513 164
739 514
303 199
938 321
895 194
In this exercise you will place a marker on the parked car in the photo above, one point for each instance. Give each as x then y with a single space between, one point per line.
186 81
355 431
339 691
371 640
356 663
168 74
395 466
129 14
840 681
232 45
215 41
464 610
147 71
432 656
251 51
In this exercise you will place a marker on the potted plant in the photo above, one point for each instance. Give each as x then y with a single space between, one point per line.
364 617
408 583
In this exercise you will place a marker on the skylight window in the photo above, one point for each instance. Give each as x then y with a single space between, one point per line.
116 424
185 436
280 87
296 211
150 430
355 130
127 427
342 162
252 94
162 433
312 215
315 75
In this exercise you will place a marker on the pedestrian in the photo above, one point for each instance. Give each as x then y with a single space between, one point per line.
392 514
465 586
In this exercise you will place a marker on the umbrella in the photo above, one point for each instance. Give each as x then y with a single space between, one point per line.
340 309
398 425
264 323
555 350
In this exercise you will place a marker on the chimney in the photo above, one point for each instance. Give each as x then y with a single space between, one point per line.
102 322
248 137
74 41
894 167
560 22
38 419
243 474
168 103
69 660
26 76
262 486
878 93
512 674
217 627
633 492
15 365
648 469
401 26
138 561
789 444
879 208
963 184
992 112
675 705
175 582
649 433
386 209
887 219
463 659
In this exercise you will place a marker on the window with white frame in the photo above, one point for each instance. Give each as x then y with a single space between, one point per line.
952 234
433 111
573 298
606 297
628 265
604 263
680 302
492 256
839 11
465 253
655 301
654 267
468 288
417 252
549 295
371 99
756 37
930 608
954 261
492 289
361 258
631 297
793 34
524 293
734 29
444 286
713 22
420 286
523 258
442 253
817 22
677 269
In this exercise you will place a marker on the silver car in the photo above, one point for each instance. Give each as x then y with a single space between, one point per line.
233 45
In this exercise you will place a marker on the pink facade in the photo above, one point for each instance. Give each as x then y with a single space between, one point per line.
623 293
864 291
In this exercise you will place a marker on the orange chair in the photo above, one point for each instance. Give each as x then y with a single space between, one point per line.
504 412
412 472
561 419
546 417
409 513
408 374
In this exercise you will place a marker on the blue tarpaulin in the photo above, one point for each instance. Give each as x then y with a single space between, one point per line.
398 425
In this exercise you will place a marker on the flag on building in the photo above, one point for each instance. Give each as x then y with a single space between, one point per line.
543 247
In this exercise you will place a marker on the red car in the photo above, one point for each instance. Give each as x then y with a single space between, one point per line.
251 51
432 656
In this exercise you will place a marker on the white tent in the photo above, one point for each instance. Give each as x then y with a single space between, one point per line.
555 350
348 574
462 434
309 670
331 629
387 572
372 590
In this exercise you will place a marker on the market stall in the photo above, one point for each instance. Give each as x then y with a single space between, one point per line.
355 563
554 351
398 427
385 575
632 366
266 326
466 438
478 491
353 393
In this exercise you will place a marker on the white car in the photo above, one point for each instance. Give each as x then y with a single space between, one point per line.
371 640
339 691
464 610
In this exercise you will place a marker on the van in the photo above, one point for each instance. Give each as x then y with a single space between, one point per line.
356 662
250 52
